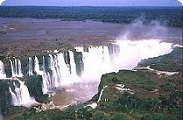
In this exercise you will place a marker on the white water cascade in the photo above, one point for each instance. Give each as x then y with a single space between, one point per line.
132 52
82 65
30 72
21 95
99 60
64 70
96 60
100 95
16 68
36 66
2 71
72 63
45 77
55 82
60 74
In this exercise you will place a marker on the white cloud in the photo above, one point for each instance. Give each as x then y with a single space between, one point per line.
1 1
181 1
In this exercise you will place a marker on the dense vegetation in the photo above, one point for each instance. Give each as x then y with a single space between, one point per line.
5 96
171 16
34 85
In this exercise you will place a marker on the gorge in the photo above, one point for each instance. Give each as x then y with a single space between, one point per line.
83 64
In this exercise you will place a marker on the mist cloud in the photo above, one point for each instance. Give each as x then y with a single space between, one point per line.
1 1
181 1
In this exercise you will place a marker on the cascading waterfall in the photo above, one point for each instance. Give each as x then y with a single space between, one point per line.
36 66
16 67
82 65
97 60
55 82
106 61
61 68
30 72
15 101
64 70
45 77
21 95
19 69
132 52
73 65
2 71
101 92
60 74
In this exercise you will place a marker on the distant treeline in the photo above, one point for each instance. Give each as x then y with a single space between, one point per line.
169 16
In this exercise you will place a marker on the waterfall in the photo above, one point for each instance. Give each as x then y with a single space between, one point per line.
86 65
64 70
2 71
45 83
45 78
45 75
132 52
30 72
16 68
60 74
55 79
21 95
19 69
101 94
15 101
12 68
106 61
96 62
72 64
36 66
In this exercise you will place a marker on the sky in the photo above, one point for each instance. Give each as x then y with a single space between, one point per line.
91 2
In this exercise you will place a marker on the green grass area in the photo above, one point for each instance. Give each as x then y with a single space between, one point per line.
129 79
